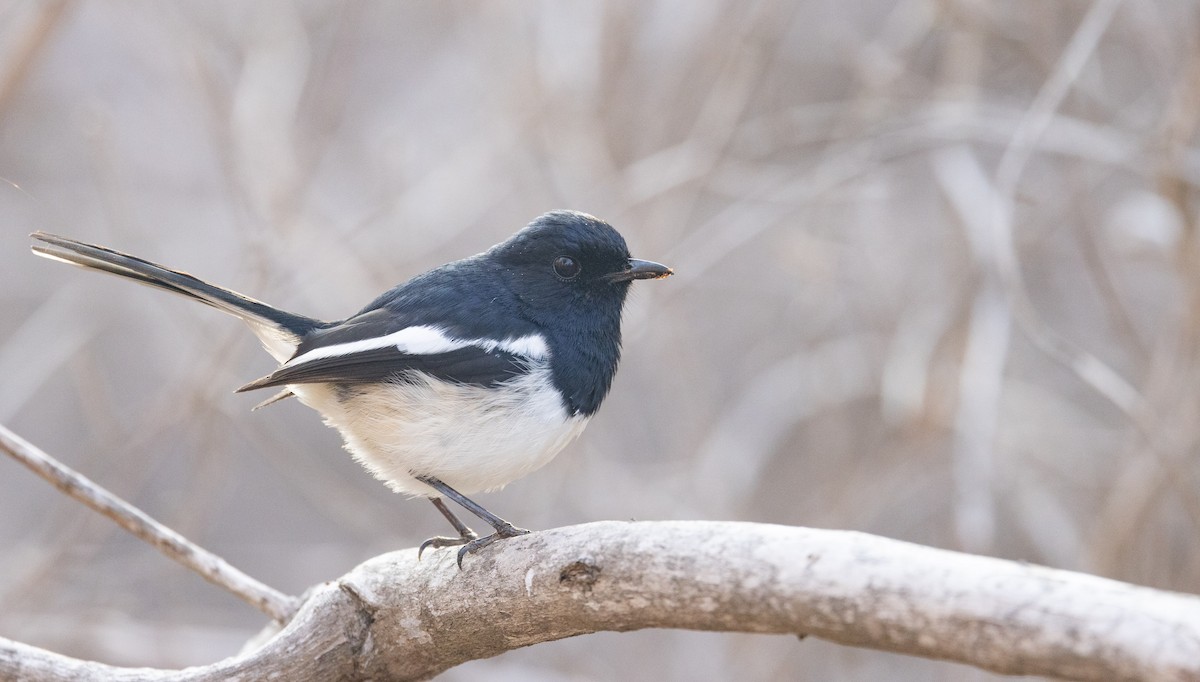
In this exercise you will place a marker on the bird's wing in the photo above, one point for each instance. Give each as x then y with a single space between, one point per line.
465 365
368 348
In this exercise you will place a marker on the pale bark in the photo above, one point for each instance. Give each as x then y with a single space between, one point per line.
394 618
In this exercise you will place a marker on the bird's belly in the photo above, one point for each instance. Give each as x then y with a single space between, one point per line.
470 437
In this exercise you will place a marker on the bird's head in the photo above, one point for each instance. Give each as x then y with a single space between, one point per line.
568 261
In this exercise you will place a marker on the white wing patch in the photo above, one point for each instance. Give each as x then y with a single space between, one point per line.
532 346
426 340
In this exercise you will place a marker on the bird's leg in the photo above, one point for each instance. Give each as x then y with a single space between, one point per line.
504 529
463 530
465 534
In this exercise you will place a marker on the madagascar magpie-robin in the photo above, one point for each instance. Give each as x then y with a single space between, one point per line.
461 379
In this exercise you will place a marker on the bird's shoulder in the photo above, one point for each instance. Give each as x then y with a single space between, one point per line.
454 323
469 299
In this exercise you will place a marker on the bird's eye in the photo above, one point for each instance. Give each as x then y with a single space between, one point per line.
566 267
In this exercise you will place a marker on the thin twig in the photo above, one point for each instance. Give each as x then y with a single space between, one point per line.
213 568
1025 142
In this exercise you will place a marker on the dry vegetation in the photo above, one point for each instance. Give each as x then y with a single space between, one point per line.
938 279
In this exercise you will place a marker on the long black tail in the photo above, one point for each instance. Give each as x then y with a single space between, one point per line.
279 331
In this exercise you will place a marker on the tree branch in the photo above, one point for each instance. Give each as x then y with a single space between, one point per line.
213 568
396 618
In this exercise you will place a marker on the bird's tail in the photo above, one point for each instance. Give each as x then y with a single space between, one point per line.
279 331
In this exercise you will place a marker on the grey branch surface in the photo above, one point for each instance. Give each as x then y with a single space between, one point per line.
394 618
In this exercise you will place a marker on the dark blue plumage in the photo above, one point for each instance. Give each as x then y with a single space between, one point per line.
505 292
461 379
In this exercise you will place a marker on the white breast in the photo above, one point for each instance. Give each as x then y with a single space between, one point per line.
470 437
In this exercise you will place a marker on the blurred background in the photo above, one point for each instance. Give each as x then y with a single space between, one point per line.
938 279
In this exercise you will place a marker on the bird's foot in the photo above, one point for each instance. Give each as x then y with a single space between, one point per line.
502 532
438 542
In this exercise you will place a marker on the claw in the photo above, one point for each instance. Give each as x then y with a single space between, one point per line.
439 542
502 532
470 542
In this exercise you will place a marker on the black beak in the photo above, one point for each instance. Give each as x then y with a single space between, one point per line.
641 269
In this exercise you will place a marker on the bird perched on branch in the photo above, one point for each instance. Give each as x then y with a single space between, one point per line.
461 379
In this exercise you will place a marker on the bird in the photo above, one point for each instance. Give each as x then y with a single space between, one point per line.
457 381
